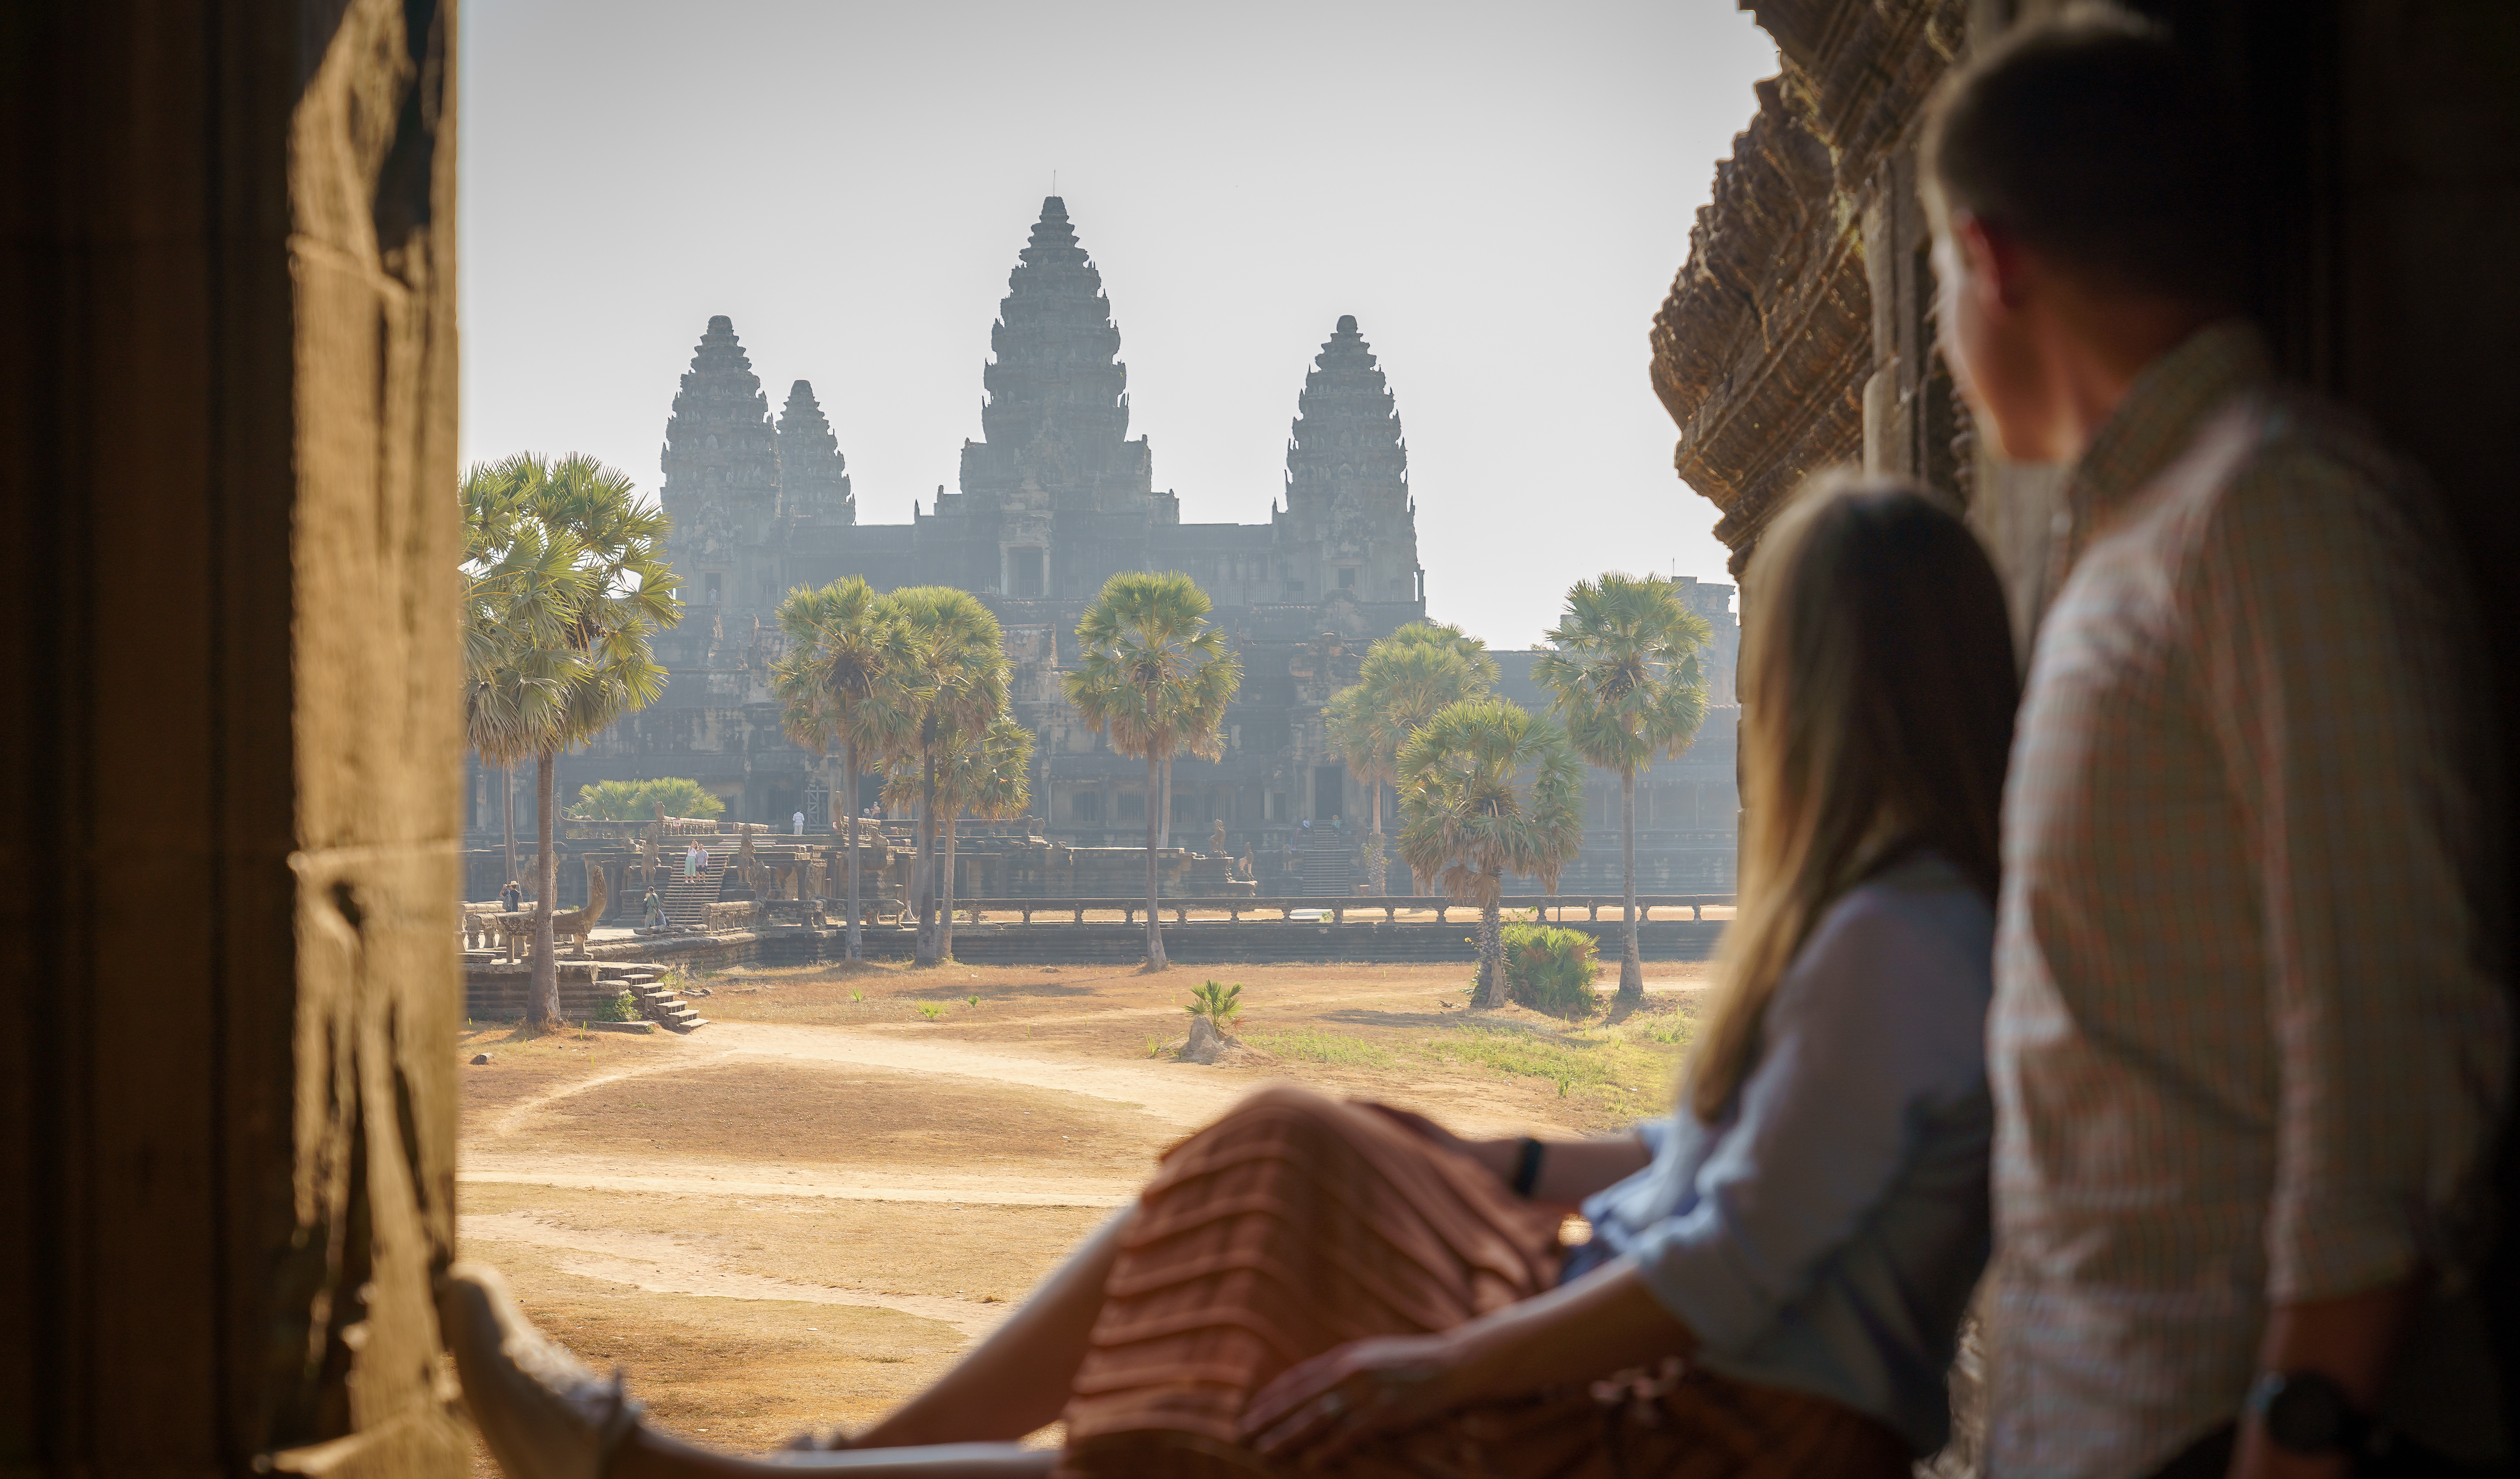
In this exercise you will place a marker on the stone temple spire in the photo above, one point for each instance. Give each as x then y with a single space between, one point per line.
1058 407
1348 517
721 463
1346 434
813 476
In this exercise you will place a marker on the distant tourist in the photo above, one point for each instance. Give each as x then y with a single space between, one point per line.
1776 1272
655 910
513 897
2250 1043
800 824
1305 824
1339 823
691 860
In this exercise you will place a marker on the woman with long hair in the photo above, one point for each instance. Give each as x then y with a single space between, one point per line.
1776 1272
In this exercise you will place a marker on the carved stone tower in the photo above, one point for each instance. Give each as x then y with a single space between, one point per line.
1349 525
813 476
1055 427
721 463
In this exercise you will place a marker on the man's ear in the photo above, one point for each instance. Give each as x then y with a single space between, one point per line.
1998 265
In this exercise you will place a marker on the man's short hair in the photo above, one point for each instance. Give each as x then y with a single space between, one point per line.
2090 137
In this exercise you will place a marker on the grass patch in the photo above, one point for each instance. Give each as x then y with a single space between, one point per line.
1569 1063
1325 1047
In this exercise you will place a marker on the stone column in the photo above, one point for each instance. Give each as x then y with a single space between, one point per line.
227 420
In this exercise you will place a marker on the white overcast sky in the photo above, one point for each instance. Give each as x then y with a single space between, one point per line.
1499 193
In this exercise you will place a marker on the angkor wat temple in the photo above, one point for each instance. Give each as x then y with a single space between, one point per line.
1055 497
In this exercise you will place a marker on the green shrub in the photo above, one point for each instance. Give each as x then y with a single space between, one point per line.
1551 969
622 1009
1219 1004
638 800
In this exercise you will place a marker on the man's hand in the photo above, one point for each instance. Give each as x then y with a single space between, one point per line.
2352 1339
2259 1457
1318 1411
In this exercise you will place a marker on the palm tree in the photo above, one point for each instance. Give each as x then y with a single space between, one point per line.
1404 681
987 774
1151 674
1623 664
1443 634
565 583
1203 737
835 682
947 649
1489 789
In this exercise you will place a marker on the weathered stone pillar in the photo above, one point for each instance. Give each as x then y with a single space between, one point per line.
227 417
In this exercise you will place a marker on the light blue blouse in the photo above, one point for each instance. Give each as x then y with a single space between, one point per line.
1825 1235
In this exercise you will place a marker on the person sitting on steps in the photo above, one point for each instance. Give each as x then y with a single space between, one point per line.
1777 1269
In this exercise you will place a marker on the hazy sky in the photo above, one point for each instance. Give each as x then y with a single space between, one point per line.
1499 193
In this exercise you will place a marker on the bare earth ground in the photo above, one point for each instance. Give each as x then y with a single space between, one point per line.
801 1213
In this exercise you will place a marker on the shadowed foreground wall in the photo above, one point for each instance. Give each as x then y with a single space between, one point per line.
227 414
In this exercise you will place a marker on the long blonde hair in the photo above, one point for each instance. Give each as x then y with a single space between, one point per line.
1877 693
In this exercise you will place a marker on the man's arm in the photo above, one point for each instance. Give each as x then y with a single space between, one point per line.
2333 673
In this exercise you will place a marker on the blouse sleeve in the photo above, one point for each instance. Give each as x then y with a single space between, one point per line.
1879 1019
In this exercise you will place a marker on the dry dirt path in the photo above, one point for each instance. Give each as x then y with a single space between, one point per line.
1184 1096
802 1213
659 1264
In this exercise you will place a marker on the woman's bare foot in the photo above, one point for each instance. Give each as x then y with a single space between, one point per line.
543 1413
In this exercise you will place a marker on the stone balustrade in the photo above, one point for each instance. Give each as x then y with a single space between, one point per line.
1336 909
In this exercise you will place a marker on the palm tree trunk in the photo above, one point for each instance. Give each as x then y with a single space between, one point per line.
1164 834
507 817
853 851
1491 947
1154 922
542 994
945 880
927 861
1381 863
1632 972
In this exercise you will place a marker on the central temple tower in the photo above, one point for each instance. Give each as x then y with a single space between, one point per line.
1055 470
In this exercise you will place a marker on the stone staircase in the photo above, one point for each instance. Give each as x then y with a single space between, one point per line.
1326 866
656 1002
686 900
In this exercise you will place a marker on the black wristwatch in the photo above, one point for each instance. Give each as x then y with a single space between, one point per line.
2307 1413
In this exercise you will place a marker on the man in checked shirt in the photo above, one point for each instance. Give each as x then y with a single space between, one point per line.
2250 1039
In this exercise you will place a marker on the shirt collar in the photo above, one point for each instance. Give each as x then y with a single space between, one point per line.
2161 413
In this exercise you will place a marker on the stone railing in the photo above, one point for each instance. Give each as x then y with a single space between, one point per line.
1336 909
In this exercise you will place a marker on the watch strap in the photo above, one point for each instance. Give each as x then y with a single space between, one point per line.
1526 1167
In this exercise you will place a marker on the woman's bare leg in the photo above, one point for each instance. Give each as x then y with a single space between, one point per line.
1017 1379
648 1454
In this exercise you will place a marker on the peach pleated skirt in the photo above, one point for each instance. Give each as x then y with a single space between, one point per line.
1297 1223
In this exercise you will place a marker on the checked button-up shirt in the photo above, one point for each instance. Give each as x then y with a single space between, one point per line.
2249 1039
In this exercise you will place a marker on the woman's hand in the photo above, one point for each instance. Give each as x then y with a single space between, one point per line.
1318 1409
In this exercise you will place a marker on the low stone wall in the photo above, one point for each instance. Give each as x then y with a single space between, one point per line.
497 993
743 913
1216 942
